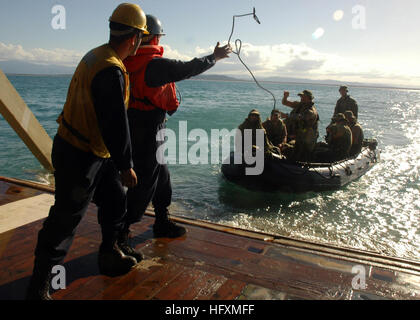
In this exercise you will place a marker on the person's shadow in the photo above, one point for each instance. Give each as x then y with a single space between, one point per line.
82 267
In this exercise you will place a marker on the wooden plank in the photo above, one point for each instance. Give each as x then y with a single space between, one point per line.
148 288
88 288
254 268
19 213
124 284
180 286
206 264
205 286
23 121
4 241
29 185
253 292
230 290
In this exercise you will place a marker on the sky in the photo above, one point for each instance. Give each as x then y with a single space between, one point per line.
369 41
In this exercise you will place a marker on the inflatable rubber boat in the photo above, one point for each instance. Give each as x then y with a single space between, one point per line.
283 175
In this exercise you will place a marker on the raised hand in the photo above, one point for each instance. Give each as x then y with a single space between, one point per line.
222 52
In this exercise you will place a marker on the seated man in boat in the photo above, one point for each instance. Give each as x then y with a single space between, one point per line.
339 141
253 122
276 129
346 103
302 125
357 134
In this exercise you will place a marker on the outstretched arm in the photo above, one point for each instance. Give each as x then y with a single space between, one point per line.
161 71
285 102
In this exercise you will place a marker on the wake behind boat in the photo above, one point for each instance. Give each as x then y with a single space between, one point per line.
297 177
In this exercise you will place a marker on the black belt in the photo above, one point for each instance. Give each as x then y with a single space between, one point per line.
73 131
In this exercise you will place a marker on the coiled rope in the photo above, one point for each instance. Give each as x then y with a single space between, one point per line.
238 47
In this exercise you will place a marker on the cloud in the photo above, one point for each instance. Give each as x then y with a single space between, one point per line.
273 60
300 65
302 61
62 57
279 60
174 54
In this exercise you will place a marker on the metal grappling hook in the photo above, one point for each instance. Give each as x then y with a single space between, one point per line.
238 45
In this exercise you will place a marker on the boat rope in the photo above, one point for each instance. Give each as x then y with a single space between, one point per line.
309 168
238 47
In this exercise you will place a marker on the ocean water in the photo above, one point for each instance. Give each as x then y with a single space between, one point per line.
379 212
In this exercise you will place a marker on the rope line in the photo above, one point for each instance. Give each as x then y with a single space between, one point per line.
238 46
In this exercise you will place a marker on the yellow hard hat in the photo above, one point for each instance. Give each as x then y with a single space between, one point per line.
130 15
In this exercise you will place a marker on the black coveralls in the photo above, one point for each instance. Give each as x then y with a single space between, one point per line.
81 176
154 179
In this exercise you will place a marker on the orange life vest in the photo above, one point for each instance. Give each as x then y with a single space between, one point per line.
143 97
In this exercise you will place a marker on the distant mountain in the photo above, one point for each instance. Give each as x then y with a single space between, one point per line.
23 67
322 82
216 77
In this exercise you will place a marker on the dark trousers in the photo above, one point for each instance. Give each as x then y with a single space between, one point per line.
154 183
79 178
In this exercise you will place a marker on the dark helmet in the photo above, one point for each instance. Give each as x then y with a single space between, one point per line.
154 26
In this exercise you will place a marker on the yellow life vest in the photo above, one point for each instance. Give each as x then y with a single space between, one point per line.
78 124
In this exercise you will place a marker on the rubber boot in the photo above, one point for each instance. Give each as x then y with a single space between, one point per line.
111 260
126 248
39 285
165 228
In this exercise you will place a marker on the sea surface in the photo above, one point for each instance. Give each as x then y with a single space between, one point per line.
379 212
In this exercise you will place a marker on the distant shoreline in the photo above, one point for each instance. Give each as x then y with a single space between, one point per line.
240 80
39 75
308 83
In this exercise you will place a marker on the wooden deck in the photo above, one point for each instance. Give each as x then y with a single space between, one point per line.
210 262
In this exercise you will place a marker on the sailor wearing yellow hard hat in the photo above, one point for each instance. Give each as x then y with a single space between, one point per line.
92 154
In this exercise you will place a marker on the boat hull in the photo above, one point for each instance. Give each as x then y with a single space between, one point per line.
287 176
